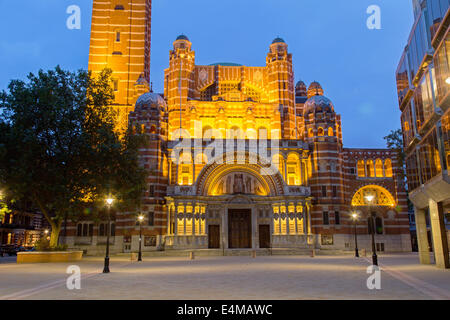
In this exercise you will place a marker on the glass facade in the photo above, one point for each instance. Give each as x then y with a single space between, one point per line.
426 70
407 125
423 101
430 163
442 70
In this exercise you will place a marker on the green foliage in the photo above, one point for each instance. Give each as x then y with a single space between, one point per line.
58 147
44 245
394 141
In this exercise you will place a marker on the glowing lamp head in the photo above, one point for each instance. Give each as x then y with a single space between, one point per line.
46 231
447 80
109 201
369 198
354 215
141 218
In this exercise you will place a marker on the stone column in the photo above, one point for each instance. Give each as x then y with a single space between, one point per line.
439 234
422 238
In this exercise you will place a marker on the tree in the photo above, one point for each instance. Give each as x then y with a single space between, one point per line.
59 149
394 141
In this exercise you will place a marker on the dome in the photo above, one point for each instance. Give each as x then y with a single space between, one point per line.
317 104
149 101
315 89
182 37
300 89
278 40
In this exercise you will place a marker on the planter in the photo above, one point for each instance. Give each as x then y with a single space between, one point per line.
42 257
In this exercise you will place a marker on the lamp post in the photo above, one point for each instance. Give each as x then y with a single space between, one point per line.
109 202
369 199
140 218
355 218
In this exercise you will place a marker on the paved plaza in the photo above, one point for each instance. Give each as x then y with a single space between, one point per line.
231 277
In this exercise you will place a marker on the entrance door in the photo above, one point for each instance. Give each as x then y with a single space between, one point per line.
239 228
264 236
213 236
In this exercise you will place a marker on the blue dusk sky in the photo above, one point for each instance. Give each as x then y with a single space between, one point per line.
329 40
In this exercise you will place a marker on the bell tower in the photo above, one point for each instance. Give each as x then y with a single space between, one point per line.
281 85
121 41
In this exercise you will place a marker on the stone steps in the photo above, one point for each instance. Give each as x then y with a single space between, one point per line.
240 252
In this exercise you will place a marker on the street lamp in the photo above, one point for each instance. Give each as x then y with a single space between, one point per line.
369 199
355 218
140 218
109 202
447 80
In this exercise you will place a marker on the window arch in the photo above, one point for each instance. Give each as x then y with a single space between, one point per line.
388 168
379 168
370 168
330 132
320 132
310 133
361 168
293 169
381 196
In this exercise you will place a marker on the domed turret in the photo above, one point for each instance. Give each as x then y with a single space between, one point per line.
317 104
278 40
300 89
315 89
150 101
182 37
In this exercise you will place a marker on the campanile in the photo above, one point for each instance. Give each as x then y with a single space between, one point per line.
121 41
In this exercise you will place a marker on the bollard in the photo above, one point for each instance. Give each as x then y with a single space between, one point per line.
133 256
313 253
253 254
192 255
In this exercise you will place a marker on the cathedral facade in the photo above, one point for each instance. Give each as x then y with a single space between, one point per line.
241 157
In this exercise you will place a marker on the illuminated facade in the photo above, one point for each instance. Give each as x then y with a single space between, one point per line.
239 157
423 81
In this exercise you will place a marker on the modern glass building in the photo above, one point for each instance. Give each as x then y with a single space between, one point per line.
423 81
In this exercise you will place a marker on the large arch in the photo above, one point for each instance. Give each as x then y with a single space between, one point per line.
382 197
271 184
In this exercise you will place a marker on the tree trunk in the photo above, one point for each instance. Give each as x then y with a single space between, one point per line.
56 228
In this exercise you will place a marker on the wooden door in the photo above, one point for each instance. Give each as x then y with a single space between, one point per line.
213 236
264 236
239 228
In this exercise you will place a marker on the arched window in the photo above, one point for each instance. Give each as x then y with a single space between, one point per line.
185 169
310 133
330 132
379 168
370 168
361 169
320 132
152 129
293 169
378 225
388 168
